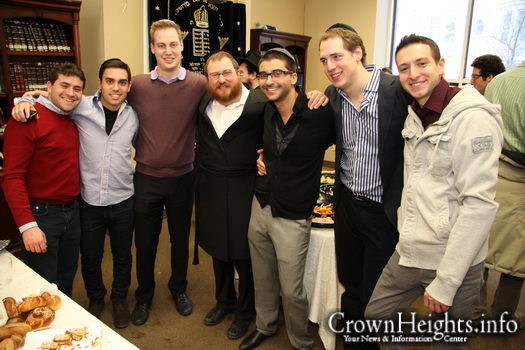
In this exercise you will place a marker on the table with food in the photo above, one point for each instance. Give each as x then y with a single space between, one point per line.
35 315
320 278
323 213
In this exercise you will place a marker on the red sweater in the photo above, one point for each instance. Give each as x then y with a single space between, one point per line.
41 163
167 120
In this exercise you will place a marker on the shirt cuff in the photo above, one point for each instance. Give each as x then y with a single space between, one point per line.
27 226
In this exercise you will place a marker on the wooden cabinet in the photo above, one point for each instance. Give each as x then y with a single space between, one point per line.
265 39
30 32
34 35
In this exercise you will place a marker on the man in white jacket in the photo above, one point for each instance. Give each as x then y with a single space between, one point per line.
453 140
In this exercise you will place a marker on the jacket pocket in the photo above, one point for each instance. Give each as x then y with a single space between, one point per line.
440 163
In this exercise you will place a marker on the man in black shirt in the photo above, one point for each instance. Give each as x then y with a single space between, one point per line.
295 139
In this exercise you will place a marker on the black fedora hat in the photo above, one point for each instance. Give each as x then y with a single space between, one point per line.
251 58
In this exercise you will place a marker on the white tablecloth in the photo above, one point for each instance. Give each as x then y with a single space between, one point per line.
321 283
25 282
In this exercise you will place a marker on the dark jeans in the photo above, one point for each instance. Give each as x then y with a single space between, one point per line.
117 220
364 242
61 225
225 288
152 194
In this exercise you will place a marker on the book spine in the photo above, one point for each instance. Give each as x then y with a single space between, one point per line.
50 39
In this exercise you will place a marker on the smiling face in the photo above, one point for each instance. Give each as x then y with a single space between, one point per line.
276 89
339 64
167 48
65 92
114 88
224 90
419 73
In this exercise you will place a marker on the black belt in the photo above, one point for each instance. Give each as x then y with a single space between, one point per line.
358 197
65 205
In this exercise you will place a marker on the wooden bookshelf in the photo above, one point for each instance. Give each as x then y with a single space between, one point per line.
266 39
34 35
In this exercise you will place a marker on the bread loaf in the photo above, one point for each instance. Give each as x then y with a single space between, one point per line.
17 319
52 300
40 317
8 344
10 307
17 340
4 333
20 328
31 303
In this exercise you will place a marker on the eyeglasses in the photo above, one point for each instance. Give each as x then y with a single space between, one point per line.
225 73
475 76
276 74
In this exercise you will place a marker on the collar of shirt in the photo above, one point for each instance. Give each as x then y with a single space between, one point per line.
48 104
98 102
436 103
371 87
222 117
180 76
301 102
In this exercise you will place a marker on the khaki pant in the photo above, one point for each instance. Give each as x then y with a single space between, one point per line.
278 250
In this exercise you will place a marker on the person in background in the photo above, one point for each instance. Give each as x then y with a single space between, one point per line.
507 235
452 143
485 68
107 128
41 179
295 139
249 68
387 70
166 102
229 133
370 108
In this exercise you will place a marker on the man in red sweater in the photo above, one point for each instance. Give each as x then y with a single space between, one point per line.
42 180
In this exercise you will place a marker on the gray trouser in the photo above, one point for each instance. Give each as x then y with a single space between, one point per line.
399 286
278 250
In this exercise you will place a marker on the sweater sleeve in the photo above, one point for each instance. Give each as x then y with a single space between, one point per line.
19 146
476 148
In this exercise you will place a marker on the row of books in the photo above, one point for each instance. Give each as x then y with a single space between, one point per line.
27 76
33 35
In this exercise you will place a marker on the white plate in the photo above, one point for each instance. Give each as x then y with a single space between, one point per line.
91 341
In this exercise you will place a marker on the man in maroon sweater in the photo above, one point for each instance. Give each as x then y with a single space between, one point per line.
42 180
166 102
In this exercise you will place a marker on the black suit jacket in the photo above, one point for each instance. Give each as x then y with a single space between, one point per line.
393 102
225 178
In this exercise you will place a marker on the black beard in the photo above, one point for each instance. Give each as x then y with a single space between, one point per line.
236 91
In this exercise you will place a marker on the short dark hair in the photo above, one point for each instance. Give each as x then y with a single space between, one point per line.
67 69
114 63
488 65
418 39
278 53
